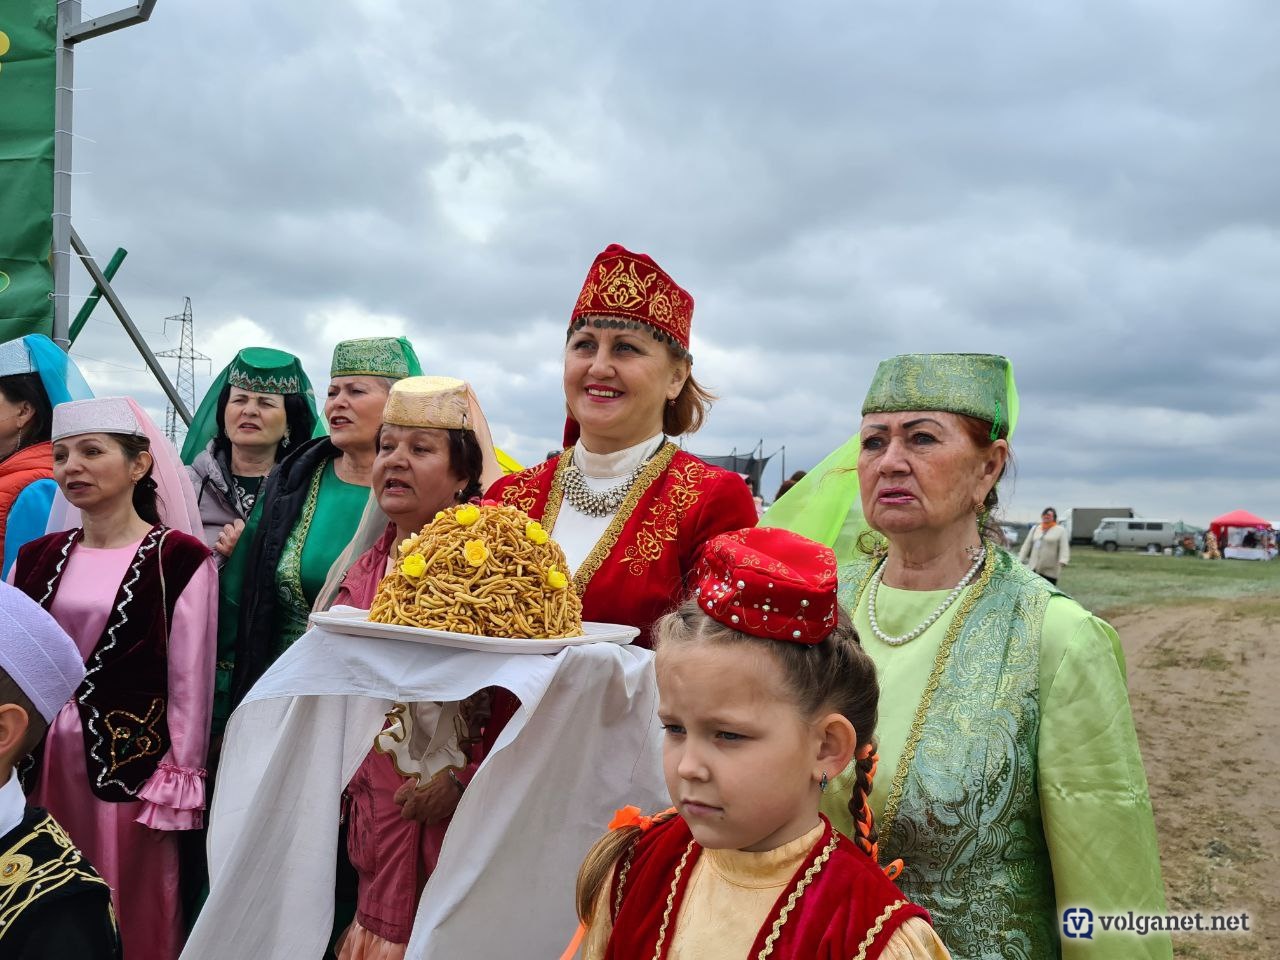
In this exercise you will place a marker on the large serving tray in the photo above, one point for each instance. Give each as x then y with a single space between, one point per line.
351 620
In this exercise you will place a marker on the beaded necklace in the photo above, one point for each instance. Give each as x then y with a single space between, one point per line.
930 620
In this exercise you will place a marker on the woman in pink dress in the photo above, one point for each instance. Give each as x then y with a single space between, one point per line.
122 767
434 452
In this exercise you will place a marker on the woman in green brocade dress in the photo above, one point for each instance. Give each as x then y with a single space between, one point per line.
310 508
1010 782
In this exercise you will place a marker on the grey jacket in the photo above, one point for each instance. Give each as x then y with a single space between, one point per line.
211 477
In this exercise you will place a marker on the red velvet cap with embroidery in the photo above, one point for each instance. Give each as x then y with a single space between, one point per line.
626 290
770 583
629 291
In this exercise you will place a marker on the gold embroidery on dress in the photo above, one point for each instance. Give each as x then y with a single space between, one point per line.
793 898
894 799
142 739
29 881
663 523
293 600
876 927
815 868
121 617
622 880
522 492
671 899
609 539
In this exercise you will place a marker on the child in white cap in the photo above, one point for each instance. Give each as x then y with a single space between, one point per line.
53 904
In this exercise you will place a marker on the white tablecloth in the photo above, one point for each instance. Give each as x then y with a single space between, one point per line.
585 742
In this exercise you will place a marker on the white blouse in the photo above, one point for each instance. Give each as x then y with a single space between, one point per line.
578 533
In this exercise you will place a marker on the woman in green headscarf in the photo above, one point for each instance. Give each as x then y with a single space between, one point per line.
258 408
310 507
1010 771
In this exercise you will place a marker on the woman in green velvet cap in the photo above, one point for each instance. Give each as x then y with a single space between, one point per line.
1011 783
258 408
310 507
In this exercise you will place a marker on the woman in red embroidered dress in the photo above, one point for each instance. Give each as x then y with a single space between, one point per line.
630 509
123 764
764 694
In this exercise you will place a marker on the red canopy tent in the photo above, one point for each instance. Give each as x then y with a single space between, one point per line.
1236 518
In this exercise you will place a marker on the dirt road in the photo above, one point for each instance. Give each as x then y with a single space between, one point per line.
1204 681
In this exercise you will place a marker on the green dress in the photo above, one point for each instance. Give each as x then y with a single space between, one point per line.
327 523
1024 777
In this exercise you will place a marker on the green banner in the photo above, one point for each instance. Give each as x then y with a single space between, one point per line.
27 51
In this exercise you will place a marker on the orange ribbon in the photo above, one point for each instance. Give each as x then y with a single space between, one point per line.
629 816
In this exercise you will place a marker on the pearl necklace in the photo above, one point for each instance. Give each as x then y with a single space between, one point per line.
930 620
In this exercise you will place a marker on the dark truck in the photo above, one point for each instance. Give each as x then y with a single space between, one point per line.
1085 520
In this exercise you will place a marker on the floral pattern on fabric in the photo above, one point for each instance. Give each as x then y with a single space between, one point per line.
964 809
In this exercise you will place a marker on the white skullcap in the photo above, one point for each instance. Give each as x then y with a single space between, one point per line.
103 415
42 660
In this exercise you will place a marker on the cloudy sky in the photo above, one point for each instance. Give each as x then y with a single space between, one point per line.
1087 186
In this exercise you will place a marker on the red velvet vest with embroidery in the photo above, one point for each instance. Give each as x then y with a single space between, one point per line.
847 908
124 697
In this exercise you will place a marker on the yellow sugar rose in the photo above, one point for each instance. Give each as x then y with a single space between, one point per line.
475 552
533 531
556 580
467 515
406 545
439 515
414 565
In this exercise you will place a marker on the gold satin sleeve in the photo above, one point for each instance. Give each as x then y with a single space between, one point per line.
915 940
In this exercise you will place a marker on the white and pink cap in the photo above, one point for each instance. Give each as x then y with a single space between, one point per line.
101 415
42 660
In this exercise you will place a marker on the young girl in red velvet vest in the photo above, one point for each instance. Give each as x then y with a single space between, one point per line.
764 696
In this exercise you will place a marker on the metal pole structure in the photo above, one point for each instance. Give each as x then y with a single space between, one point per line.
110 22
71 30
91 301
114 301
63 122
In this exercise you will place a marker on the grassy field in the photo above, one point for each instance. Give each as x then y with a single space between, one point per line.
1203 671
1109 582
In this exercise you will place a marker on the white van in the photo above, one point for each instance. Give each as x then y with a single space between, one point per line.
1139 532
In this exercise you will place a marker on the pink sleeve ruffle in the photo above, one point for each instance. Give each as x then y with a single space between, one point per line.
173 799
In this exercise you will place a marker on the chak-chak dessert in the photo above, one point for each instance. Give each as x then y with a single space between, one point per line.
485 570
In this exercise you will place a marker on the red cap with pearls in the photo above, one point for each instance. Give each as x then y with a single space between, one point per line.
770 583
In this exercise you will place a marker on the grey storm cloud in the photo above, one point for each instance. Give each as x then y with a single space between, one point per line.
1087 187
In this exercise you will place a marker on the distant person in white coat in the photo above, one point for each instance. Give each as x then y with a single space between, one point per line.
1047 548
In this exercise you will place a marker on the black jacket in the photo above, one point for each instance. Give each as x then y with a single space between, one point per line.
283 496
55 905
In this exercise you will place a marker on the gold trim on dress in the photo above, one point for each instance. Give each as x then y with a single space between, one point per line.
815 868
894 798
671 899
810 875
876 927
609 539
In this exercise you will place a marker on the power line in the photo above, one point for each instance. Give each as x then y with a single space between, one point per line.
187 355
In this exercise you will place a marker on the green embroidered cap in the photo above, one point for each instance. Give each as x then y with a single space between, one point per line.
264 370
261 370
391 357
976 384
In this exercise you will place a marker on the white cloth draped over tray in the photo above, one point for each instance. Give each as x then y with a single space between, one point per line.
585 741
